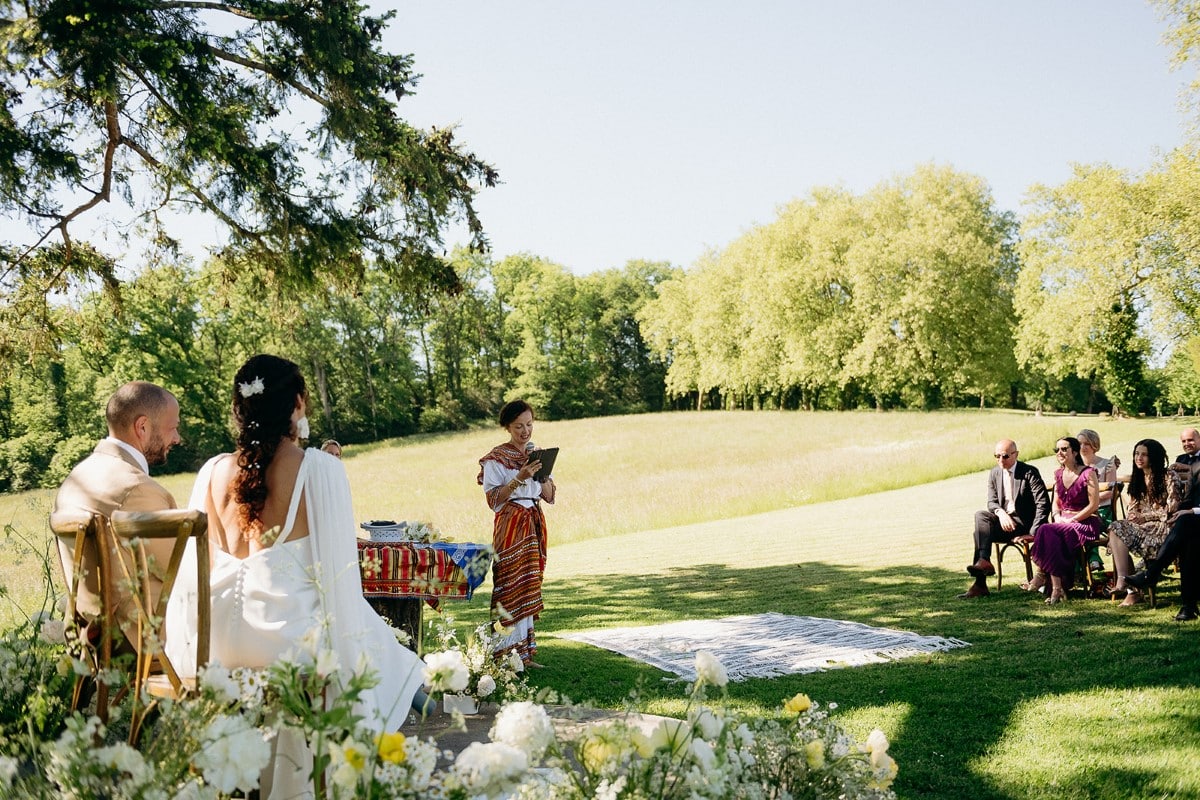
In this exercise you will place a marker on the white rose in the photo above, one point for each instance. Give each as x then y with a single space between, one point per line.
446 671
526 726
486 685
489 768
54 631
709 670
233 754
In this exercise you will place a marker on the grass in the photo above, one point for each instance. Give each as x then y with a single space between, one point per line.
1074 701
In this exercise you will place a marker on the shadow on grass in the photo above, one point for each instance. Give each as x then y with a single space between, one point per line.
955 706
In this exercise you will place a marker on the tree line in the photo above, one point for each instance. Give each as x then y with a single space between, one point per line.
380 361
921 293
918 293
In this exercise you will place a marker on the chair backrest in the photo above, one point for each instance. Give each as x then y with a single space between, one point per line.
131 529
80 532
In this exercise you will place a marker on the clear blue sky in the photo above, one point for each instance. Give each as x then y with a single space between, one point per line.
658 130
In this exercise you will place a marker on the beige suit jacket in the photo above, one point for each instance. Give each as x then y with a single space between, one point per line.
106 481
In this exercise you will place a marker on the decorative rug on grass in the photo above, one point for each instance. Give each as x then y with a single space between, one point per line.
763 645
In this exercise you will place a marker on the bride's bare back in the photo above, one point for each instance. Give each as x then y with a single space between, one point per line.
227 532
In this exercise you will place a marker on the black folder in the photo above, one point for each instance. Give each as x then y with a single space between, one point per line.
546 456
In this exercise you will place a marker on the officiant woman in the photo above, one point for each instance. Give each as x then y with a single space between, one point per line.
519 531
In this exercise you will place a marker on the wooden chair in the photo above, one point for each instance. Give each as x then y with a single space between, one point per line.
80 530
154 674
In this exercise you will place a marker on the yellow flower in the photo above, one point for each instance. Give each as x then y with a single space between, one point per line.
798 704
391 747
814 754
355 757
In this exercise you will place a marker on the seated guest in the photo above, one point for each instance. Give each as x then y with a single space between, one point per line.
1056 544
332 447
1017 504
1183 539
1106 474
1154 495
283 568
143 426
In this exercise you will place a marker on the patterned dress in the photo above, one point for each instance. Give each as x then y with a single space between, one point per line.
1056 545
519 539
1145 525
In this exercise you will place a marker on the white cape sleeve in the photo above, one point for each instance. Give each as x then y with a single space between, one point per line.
359 636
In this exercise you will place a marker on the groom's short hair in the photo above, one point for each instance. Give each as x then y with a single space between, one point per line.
135 399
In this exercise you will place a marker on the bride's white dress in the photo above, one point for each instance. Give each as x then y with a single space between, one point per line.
297 596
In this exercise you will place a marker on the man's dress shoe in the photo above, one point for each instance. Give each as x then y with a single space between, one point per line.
975 591
1186 614
982 568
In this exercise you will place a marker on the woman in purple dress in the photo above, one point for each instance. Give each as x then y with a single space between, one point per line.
1056 544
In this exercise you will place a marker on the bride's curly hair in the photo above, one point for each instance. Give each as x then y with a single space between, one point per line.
264 396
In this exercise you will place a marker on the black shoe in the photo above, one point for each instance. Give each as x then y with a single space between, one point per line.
1186 614
1142 580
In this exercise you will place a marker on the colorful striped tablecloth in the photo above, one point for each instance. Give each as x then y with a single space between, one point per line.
431 571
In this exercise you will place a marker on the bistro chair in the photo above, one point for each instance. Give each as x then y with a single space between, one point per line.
80 532
154 674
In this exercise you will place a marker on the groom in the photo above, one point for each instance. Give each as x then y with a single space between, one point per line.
143 426
1017 504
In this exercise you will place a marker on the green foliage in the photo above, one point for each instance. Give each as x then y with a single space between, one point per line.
24 460
902 295
276 118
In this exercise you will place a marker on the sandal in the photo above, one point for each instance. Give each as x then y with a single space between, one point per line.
1035 585
1056 598
1132 598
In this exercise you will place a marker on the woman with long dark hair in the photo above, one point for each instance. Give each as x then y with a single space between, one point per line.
518 532
1154 495
285 576
1056 544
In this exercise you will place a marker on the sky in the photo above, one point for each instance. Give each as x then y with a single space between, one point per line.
662 129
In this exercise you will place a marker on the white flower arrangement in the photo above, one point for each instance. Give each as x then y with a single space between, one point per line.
215 743
248 390
490 678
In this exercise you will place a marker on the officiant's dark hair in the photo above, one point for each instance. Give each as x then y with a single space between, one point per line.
513 409
264 395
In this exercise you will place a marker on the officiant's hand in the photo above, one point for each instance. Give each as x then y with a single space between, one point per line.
529 470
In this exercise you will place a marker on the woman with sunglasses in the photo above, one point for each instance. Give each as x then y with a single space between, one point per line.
1074 524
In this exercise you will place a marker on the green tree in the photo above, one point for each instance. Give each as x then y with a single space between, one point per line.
1094 264
276 118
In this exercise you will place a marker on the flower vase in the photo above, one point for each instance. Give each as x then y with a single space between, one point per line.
462 703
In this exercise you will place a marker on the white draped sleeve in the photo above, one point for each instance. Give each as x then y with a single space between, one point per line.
359 636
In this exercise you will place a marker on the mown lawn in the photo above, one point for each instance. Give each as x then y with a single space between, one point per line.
1076 701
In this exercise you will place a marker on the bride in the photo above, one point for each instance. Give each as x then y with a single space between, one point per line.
284 562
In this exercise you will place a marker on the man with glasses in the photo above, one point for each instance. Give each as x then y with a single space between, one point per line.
1017 504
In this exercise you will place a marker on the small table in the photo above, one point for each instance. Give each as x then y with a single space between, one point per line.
398 576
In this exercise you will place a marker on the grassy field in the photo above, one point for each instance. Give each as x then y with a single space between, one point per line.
862 517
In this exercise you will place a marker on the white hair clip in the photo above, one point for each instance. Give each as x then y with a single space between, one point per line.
252 388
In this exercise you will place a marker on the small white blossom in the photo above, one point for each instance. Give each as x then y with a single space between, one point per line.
485 686
54 631
8 771
252 388
218 679
709 670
